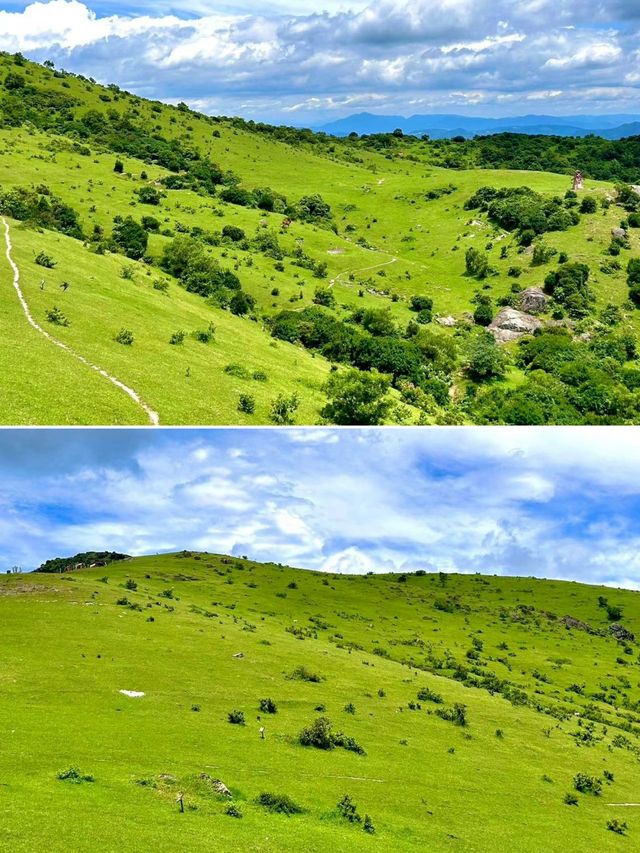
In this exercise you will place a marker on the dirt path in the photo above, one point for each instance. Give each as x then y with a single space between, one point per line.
154 418
362 269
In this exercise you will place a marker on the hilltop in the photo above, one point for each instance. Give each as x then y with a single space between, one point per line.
466 711
208 270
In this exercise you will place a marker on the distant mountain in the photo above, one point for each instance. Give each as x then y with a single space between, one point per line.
445 126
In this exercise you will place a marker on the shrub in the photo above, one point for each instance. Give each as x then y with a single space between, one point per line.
241 303
130 237
356 398
279 803
485 359
55 316
74 775
614 613
283 409
427 695
118 167
347 809
236 718
44 260
318 734
301 673
233 811
368 825
349 708
124 337
617 826
150 223
268 706
324 296
246 404
589 205
177 338
587 784
233 233
205 336
570 800
483 315
237 370
477 263
149 195
457 714
131 584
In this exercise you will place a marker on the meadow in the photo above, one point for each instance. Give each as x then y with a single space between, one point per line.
397 230
541 756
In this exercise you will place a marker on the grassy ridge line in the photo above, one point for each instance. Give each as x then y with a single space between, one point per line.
444 788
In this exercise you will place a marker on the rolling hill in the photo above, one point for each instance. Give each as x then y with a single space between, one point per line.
466 712
210 270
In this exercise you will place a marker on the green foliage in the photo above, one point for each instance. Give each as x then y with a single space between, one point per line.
85 559
236 718
268 706
55 316
41 208
485 359
246 404
279 804
283 409
477 263
74 775
124 337
569 287
357 398
586 784
45 260
130 237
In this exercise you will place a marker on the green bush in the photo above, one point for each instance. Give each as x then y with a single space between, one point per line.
55 316
283 409
236 718
279 804
268 706
74 775
246 404
44 260
124 337
587 784
177 338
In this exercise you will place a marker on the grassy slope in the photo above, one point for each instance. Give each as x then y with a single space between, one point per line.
67 650
384 200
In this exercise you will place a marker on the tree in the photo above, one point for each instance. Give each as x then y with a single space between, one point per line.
477 263
119 167
241 303
356 398
129 236
485 359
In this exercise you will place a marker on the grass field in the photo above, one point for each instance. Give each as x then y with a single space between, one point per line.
390 243
203 635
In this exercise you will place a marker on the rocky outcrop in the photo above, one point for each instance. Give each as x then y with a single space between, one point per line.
619 233
509 325
533 300
571 623
620 633
448 322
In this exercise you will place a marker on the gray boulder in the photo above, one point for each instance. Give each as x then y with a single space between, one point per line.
448 322
533 300
619 233
510 325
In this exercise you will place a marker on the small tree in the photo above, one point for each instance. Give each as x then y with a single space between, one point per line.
119 167
283 409
356 398
485 360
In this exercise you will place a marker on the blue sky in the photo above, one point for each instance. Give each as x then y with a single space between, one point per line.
562 503
309 61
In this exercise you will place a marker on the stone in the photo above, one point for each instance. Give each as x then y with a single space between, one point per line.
449 322
510 324
621 633
619 233
533 300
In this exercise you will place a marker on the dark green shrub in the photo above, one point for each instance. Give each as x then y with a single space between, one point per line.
44 260
236 718
55 316
301 673
124 337
347 809
587 784
279 804
74 775
177 338
246 404
617 826
268 706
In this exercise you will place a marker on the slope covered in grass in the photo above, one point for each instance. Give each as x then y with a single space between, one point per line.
549 691
350 231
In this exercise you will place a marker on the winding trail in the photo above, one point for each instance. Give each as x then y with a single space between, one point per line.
362 269
153 416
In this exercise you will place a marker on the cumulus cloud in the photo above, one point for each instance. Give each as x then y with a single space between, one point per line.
317 61
555 503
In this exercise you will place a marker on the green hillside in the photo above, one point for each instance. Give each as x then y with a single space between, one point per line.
228 250
467 712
